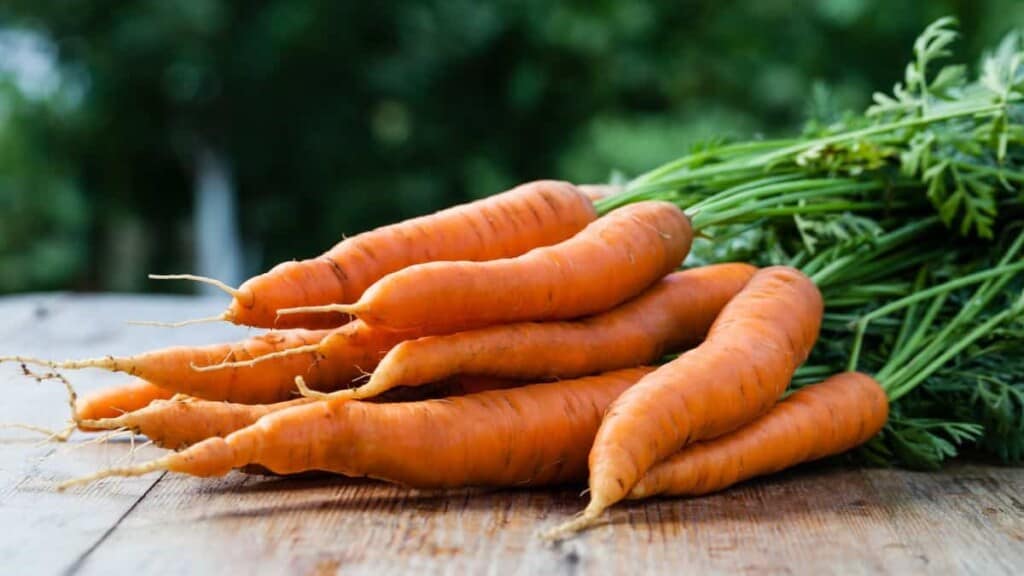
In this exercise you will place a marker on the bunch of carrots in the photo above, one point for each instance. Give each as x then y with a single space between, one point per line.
550 334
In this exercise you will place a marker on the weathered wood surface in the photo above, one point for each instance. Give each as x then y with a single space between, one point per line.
816 520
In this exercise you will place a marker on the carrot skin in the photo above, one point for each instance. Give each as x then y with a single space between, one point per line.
501 226
533 435
114 401
612 260
823 419
265 383
673 314
738 373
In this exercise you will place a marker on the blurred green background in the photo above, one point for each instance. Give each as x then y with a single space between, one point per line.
224 136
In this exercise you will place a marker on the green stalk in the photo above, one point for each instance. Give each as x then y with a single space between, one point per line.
985 329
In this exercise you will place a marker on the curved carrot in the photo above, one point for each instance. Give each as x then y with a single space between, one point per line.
177 424
674 313
741 369
819 420
116 400
172 368
610 261
501 226
533 435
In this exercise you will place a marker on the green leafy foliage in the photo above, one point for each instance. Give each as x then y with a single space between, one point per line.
908 218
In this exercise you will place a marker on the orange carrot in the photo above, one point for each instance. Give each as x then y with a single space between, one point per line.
344 355
176 424
171 368
179 423
740 370
533 435
819 420
116 400
610 261
674 313
501 226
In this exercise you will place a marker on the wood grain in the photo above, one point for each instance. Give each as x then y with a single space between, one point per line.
820 519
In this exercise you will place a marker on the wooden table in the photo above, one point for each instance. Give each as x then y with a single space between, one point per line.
817 520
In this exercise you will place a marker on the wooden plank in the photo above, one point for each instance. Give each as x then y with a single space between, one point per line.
820 520
45 531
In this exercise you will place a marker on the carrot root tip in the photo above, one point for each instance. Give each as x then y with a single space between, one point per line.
222 317
51 434
583 521
123 472
232 291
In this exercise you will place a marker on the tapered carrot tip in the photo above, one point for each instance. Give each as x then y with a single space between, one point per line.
584 521
350 309
125 472
105 423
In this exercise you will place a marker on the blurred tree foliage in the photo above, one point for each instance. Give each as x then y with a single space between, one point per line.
339 116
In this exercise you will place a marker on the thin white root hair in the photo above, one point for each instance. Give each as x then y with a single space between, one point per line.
61 435
222 317
104 363
349 309
125 472
254 361
105 437
308 392
202 279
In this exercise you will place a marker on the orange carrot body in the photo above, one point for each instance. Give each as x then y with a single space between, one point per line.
674 313
819 420
610 261
177 424
172 368
501 226
258 370
739 372
533 435
116 400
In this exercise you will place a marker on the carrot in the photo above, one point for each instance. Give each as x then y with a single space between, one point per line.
344 355
533 435
741 369
176 424
501 226
171 368
674 313
611 260
179 423
116 400
819 420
